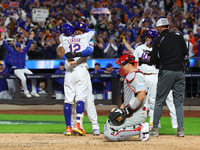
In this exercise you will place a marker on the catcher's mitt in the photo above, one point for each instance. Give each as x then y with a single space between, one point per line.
117 116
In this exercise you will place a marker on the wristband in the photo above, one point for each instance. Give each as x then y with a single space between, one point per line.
128 110
64 57
134 103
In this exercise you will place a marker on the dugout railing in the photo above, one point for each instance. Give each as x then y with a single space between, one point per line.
191 93
48 99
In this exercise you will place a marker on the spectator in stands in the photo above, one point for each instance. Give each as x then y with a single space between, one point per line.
195 46
109 69
18 64
49 51
59 83
111 49
9 70
97 83
138 41
108 82
3 84
189 45
112 32
35 52
105 38
41 88
98 48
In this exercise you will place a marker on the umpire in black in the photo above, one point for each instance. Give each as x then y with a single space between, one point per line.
169 51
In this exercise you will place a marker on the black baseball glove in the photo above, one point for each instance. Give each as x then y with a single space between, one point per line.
118 116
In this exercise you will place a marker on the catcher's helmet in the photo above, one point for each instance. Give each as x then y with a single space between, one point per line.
68 29
123 60
152 33
116 117
81 25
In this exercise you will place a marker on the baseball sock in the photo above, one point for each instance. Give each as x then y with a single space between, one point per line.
80 112
67 114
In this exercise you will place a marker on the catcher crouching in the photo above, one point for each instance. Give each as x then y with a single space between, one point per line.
129 120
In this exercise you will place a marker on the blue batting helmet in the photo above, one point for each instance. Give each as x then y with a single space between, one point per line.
68 29
152 33
81 25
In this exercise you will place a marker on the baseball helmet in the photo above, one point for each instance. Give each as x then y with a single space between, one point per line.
115 117
162 22
81 25
123 60
68 29
152 33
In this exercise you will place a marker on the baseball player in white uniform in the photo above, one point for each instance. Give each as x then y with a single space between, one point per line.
151 75
130 119
89 104
77 78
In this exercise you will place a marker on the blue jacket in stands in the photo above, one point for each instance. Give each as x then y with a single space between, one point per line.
108 81
8 64
59 83
18 58
97 84
3 83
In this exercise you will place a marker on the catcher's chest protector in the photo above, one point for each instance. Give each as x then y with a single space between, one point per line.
129 85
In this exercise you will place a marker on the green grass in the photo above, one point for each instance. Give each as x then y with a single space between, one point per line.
10 123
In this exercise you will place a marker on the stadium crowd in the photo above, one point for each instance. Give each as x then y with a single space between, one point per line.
109 18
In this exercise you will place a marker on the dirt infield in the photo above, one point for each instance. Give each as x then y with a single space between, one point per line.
90 142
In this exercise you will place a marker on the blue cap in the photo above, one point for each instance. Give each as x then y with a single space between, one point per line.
97 64
58 31
53 30
18 45
109 65
124 29
62 63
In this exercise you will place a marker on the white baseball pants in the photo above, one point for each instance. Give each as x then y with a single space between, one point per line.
20 74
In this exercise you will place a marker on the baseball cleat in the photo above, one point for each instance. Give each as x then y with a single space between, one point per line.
180 132
35 94
68 131
28 95
96 132
154 132
144 132
78 129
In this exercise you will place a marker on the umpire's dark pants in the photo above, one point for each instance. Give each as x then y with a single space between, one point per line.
175 81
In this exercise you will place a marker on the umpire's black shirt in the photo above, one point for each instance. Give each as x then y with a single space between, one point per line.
170 48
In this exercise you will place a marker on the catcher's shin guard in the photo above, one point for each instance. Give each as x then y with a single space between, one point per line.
115 135
126 134
106 133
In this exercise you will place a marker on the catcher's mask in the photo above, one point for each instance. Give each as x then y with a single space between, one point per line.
123 60
115 117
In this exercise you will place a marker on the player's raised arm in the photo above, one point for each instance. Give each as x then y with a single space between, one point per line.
128 46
